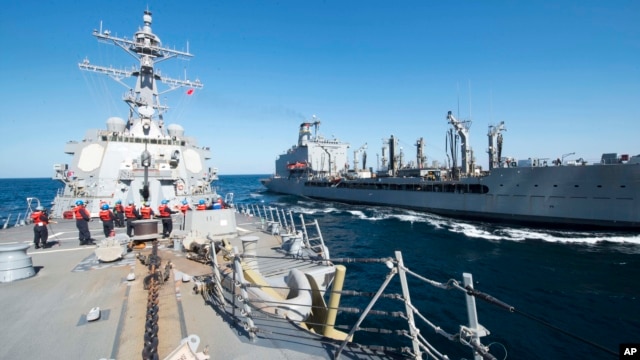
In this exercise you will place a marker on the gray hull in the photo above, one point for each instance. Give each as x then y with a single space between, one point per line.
605 196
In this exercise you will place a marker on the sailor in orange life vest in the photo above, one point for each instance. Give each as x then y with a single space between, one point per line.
119 212
164 211
185 206
146 212
131 213
40 232
201 205
82 223
107 218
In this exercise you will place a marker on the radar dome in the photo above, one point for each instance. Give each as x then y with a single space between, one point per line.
175 130
115 124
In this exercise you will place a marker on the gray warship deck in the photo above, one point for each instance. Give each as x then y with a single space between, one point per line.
45 316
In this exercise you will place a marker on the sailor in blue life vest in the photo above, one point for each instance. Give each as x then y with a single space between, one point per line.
119 212
108 219
82 223
131 213
219 204
40 232
164 212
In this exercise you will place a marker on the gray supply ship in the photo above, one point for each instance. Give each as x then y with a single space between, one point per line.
140 158
539 192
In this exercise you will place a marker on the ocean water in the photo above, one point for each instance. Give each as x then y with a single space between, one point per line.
586 284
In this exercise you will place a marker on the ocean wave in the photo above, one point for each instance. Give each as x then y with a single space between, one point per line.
471 229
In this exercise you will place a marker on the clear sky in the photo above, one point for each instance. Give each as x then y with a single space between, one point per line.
563 75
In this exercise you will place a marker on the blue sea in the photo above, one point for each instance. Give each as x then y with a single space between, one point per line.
586 284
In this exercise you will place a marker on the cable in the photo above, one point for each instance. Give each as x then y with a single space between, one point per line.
545 323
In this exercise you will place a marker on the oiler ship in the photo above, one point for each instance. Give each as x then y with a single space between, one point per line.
140 158
539 192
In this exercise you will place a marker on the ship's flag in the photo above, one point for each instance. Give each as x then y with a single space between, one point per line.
190 91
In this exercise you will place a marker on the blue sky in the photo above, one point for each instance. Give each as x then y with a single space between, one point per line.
563 75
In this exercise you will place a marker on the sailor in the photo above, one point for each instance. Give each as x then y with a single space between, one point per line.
219 204
131 213
185 206
165 212
119 212
107 218
40 232
201 205
82 223
146 212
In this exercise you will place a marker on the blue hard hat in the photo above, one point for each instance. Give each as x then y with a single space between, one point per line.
165 201
105 207
201 201
185 202
119 202
79 202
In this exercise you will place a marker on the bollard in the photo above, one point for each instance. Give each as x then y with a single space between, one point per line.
15 264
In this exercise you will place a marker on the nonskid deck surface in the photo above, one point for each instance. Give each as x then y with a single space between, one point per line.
270 260
45 316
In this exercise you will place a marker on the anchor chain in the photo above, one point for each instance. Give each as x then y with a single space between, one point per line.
152 283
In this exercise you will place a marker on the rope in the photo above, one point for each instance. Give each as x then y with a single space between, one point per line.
490 299
579 338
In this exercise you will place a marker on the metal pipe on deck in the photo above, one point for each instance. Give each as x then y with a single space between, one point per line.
334 303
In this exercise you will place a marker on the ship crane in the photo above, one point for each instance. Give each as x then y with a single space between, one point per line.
383 163
316 126
495 144
355 156
420 158
462 128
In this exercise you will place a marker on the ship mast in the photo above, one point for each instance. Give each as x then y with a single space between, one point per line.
144 99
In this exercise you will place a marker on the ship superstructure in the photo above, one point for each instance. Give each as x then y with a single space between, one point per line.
532 191
140 158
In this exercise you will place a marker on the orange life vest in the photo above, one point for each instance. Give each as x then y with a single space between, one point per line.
145 212
78 212
201 207
105 215
36 218
129 212
164 211
184 208
119 208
